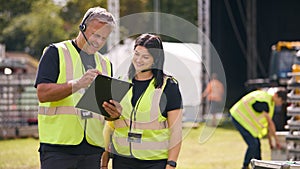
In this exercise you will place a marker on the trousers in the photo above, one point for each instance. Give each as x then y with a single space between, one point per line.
59 160
254 146
120 162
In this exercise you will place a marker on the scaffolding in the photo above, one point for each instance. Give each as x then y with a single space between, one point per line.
204 41
114 38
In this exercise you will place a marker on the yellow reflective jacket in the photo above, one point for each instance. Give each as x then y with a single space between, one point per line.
251 120
148 121
60 122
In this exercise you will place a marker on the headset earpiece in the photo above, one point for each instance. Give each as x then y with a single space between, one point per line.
82 26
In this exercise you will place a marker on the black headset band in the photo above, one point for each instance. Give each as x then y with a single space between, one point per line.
82 26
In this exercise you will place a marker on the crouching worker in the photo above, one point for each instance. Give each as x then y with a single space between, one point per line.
252 117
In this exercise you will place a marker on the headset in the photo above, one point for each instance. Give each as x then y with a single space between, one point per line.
82 26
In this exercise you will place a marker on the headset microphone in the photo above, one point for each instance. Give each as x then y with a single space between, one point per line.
146 70
84 36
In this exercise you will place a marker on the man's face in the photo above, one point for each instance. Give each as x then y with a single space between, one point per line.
97 34
278 100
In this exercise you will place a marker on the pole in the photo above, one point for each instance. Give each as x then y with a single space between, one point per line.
203 40
156 17
114 37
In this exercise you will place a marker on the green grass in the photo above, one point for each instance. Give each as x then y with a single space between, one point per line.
202 148
220 148
19 154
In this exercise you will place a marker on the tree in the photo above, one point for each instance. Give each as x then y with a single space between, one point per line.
11 9
72 13
31 32
45 28
30 25
186 10
8 11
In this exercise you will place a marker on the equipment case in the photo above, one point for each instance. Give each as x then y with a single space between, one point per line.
260 164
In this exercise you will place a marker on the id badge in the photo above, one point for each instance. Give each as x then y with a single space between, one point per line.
134 137
86 114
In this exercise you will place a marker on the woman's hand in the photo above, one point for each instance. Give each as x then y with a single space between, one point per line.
104 160
113 108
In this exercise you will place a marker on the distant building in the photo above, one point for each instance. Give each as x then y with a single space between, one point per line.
23 60
18 99
17 62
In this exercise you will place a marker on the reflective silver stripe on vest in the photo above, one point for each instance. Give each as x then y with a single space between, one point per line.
68 60
58 110
148 145
252 113
154 125
247 120
50 111
103 65
154 111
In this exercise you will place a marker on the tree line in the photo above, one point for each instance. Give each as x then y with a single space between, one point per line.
30 25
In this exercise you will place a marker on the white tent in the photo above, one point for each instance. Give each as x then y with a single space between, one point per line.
182 60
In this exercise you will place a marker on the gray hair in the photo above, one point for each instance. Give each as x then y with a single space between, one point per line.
99 14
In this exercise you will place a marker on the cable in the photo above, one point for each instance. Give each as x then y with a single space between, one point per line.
237 34
235 29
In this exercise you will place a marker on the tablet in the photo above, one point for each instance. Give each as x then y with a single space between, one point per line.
103 88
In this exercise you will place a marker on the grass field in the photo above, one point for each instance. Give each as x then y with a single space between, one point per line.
202 148
223 149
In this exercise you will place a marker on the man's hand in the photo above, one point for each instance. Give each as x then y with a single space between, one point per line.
273 140
85 79
278 145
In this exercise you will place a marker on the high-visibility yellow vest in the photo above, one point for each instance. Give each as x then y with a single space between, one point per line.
251 120
147 121
60 122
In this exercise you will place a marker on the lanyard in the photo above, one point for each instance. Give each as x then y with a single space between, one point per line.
133 112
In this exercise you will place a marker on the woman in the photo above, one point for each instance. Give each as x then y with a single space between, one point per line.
148 133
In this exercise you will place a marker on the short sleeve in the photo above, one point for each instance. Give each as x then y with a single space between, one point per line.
260 106
172 95
48 69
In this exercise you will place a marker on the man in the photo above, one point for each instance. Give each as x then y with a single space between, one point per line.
252 116
214 92
71 138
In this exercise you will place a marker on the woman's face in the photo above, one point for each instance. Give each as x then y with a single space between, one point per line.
142 59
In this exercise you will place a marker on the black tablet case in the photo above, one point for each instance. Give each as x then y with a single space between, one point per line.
103 88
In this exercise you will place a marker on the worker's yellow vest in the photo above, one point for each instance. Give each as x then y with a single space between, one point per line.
251 120
147 121
60 122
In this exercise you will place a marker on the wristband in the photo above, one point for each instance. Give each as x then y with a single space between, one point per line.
172 163
111 119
